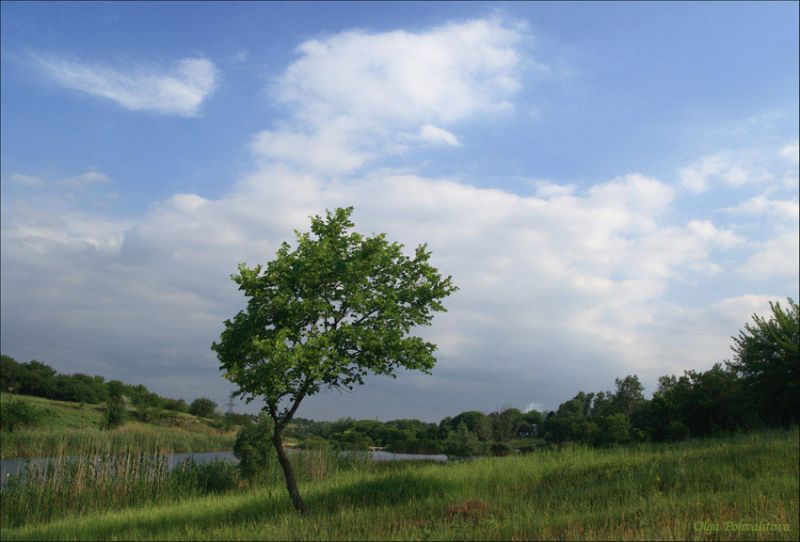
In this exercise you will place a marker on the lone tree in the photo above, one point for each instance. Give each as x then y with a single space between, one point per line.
338 307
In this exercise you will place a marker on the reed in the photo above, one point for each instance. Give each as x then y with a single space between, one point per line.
105 476
141 437
119 473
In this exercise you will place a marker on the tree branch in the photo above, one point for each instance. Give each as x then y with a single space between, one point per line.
300 396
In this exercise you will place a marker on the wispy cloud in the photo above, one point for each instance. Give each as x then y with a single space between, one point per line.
178 91
30 181
85 180
435 135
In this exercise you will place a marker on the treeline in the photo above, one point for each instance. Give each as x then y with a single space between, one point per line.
40 380
469 433
760 387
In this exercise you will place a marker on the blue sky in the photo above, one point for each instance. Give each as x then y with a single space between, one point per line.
614 186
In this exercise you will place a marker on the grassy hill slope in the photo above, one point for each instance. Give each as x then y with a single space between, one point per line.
67 427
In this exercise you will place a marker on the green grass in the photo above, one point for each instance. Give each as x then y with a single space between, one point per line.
68 428
665 492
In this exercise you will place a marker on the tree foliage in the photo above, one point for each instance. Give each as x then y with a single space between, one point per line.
202 407
767 356
338 307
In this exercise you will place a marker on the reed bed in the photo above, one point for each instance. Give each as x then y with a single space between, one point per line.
134 437
111 475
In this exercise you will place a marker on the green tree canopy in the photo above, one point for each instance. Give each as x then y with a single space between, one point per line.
767 357
326 314
203 407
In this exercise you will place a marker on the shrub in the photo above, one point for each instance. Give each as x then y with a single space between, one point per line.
18 413
202 407
116 414
462 442
253 448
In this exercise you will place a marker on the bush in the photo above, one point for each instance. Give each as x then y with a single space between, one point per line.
253 448
148 414
202 407
462 442
18 413
116 414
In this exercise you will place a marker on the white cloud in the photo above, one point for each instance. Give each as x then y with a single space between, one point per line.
328 149
179 91
791 151
356 95
435 135
763 205
30 181
716 168
442 75
777 257
744 168
85 180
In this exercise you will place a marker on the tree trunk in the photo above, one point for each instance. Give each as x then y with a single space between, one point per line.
288 473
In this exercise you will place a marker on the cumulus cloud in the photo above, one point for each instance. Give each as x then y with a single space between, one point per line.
179 91
356 95
565 282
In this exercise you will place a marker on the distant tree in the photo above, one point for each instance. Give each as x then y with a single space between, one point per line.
202 407
572 422
767 357
504 424
234 418
628 395
614 429
697 403
177 405
462 442
10 374
477 422
338 307
38 379
78 388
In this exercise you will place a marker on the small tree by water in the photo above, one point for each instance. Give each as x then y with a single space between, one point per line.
337 308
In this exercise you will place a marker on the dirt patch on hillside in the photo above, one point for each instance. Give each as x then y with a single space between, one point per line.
473 510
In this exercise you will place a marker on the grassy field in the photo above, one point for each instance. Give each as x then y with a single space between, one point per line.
742 487
70 428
